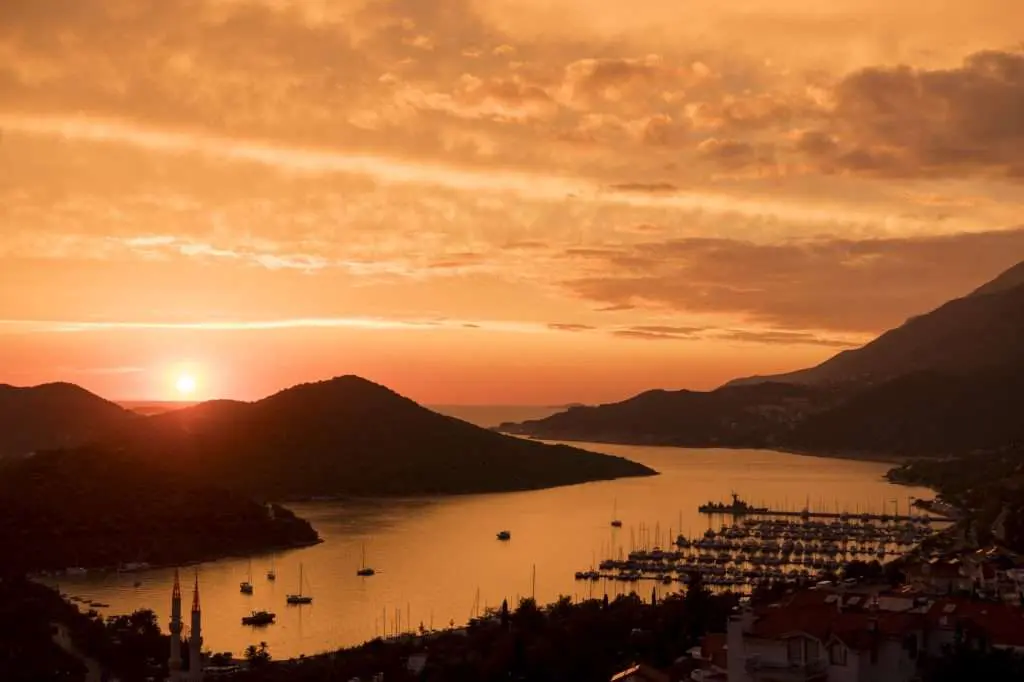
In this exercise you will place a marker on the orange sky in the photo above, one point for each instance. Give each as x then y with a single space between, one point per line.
492 201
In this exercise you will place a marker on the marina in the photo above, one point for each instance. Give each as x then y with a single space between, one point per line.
764 545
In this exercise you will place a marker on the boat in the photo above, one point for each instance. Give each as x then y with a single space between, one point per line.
245 587
271 574
505 535
364 570
259 618
737 507
616 523
299 598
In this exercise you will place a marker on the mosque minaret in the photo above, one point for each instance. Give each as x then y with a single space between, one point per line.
195 639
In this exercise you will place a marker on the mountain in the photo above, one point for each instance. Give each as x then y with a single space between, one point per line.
978 333
54 416
349 436
101 508
922 413
727 417
945 382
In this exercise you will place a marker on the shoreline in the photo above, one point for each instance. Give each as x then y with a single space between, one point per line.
824 454
107 570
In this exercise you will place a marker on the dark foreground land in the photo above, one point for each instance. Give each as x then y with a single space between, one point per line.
98 509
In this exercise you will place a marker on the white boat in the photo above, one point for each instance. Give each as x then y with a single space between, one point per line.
364 570
299 598
245 587
616 523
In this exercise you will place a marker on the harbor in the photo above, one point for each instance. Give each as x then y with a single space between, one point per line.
762 544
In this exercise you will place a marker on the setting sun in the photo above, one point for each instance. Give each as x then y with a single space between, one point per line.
186 385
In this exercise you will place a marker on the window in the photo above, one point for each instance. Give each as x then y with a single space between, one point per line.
795 652
837 654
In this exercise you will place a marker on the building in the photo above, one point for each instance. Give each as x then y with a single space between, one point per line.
860 635
195 639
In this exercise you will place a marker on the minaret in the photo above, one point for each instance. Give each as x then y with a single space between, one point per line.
195 639
174 663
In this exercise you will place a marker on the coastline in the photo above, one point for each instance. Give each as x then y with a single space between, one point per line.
825 454
202 559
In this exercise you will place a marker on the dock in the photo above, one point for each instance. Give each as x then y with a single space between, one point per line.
740 508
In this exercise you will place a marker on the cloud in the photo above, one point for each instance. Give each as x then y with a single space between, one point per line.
570 327
379 323
910 121
827 284
786 338
660 333
652 187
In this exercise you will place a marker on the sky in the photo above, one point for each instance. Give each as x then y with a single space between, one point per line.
493 201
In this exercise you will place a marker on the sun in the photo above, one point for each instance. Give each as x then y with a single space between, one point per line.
186 385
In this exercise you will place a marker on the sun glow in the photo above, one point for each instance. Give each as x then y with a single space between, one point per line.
186 385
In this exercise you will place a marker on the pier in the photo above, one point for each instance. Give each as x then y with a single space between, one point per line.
740 508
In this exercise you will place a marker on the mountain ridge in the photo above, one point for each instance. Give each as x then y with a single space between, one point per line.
942 382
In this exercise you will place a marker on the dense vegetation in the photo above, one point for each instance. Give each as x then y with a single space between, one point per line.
91 507
349 436
987 487
588 641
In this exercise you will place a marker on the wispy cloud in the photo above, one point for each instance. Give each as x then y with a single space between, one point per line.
387 170
68 326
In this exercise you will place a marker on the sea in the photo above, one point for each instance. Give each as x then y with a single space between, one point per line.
439 563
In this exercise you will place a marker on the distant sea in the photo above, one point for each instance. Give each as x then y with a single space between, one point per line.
481 415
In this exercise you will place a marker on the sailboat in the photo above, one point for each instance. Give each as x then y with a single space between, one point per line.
271 574
616 523
365 570
299 598
245 587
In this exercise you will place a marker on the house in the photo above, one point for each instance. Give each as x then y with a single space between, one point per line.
860 635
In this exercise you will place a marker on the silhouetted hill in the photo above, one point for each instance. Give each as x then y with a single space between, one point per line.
93 508
54 416
923 413
730 416
945 382
349 436
978 333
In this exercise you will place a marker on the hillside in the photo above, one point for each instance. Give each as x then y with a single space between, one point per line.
96 508
922 413
54 416
349 436
977 333
945 382
728 417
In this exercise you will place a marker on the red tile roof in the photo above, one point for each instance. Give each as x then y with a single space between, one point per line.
810 615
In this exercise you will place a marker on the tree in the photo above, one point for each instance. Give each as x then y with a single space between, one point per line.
257 655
